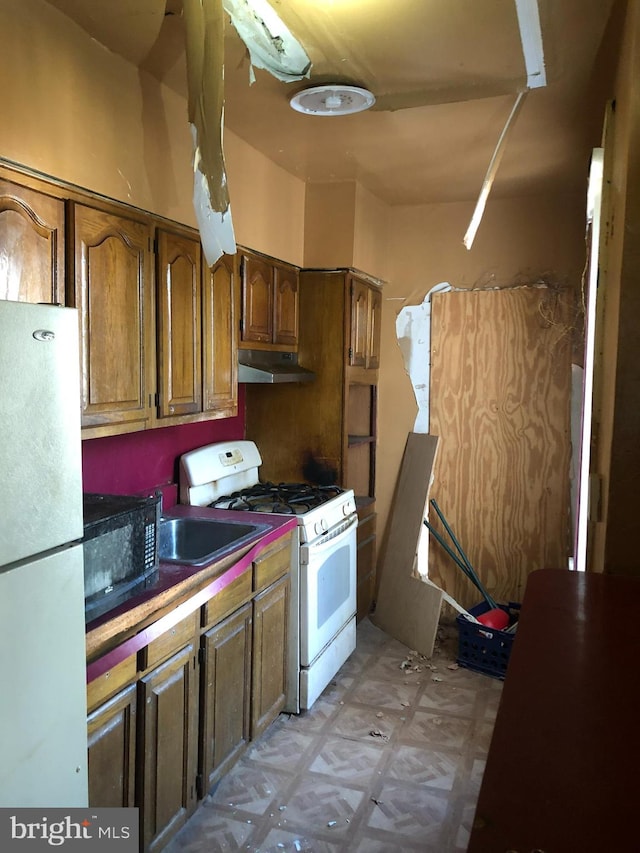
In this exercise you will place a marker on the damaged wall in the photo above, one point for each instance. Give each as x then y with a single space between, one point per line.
76 111
79 112
519 239
500 404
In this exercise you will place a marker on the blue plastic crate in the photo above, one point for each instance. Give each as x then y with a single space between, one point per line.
485 649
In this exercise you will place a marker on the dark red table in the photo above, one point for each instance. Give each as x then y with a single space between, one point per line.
563 769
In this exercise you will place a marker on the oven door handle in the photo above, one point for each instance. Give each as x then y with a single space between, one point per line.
327 542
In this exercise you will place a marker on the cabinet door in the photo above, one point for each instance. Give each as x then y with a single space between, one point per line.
169 718
270 636
113 290
179 323
226 694
359 323
31 245
285 309
112 739
374 319
220 337
257 300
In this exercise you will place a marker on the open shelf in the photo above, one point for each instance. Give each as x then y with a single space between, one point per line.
354 440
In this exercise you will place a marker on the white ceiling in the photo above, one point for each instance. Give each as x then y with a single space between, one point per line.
445 74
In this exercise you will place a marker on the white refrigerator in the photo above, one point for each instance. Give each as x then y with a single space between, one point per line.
43 726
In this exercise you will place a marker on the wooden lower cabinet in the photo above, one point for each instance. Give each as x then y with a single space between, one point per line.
112 750
168 747
270 635
225 662
166 723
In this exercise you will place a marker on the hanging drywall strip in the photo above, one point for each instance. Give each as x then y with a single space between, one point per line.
204 25
469 237
271 46
531 38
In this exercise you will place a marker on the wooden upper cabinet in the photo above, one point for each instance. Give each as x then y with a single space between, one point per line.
178 265
220 336
359 338
270 296
257 300
374 315
286 288
32 245
197 331
158 329
111 286
366 310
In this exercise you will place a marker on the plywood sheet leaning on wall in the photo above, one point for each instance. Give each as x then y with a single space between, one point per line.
407 607
500 402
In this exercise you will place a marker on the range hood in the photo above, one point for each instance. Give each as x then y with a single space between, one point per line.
271 367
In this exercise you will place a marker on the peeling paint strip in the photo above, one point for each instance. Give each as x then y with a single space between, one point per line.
469 237
531 38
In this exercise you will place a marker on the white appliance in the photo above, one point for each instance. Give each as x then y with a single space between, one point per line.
322 626
43 739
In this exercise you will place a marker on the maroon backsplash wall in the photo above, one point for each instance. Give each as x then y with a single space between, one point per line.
140 462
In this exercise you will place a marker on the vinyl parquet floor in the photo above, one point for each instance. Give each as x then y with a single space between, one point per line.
389 759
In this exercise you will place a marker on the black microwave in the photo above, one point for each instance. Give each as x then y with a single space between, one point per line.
120 547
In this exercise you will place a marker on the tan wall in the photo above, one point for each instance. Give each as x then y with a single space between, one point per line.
78 112
346 226
518 240
329 224
371 246
267 203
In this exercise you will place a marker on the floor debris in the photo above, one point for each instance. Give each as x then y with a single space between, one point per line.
378 733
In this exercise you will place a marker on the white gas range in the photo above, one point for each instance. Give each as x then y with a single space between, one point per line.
322 626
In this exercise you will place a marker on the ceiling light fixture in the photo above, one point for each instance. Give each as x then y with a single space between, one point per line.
332 100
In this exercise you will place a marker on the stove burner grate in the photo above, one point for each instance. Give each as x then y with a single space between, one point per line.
281 498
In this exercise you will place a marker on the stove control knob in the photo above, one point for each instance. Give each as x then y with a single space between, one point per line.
320 527
346 510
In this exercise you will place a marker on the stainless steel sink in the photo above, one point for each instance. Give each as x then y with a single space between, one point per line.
198 541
